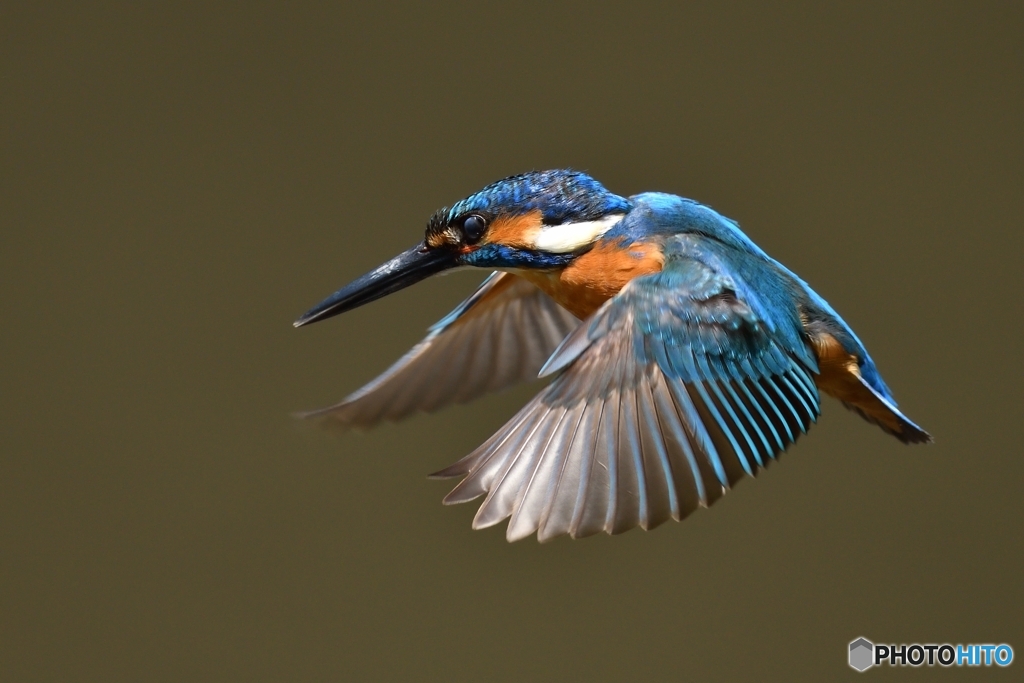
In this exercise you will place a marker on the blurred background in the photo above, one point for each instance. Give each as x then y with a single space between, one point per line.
180 181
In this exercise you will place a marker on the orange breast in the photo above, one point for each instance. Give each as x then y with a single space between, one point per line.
596 276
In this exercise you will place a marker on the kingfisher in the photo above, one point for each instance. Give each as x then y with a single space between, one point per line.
681 356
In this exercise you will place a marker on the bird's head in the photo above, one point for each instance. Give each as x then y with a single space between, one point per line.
537 220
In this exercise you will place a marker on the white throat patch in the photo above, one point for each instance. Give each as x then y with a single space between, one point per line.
561 239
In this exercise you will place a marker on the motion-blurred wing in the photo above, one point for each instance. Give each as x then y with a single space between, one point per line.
499 336
668 394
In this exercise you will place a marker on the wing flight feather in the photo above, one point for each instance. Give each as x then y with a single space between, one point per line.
665 397
498 337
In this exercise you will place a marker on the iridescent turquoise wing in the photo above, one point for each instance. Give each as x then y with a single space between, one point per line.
671 392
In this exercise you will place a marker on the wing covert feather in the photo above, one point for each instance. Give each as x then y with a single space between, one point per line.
665 397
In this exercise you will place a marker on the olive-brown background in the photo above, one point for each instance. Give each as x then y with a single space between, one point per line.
181 181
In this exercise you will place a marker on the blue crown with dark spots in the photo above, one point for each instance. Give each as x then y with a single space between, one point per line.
561 196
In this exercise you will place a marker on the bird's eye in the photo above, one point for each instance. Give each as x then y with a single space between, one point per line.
473 228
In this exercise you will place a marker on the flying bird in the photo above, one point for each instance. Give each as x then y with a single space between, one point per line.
683 357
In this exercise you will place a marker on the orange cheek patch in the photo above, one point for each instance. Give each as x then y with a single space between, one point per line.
515 231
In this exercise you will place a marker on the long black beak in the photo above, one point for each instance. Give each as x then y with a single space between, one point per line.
406 269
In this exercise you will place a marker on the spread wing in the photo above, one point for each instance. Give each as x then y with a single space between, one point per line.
499 336
668 394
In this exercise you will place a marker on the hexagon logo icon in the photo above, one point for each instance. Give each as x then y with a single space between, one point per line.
862 654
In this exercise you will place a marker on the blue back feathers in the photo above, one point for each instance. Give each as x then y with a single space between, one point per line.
571 196
656 214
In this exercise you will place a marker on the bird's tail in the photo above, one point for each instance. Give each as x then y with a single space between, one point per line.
841 376
862 399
